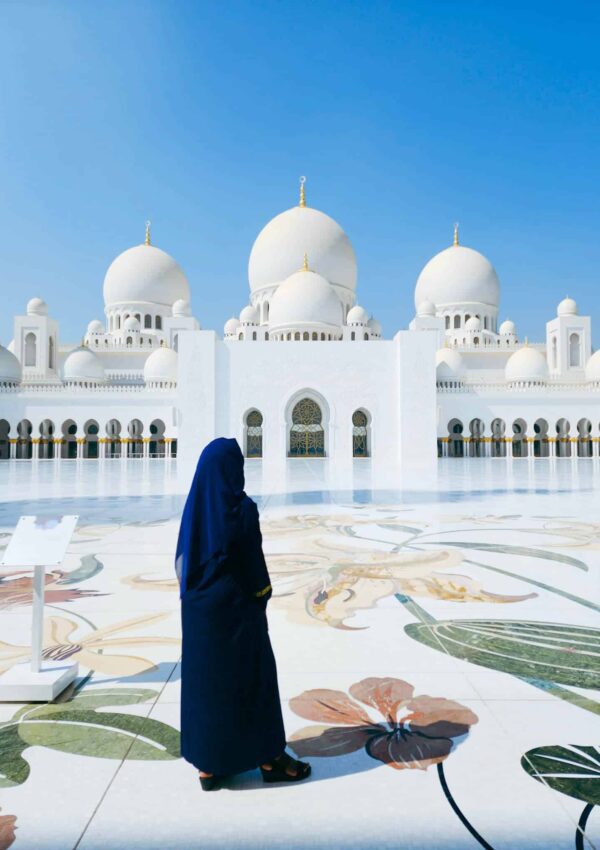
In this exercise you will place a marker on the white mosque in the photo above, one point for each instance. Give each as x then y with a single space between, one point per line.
304 370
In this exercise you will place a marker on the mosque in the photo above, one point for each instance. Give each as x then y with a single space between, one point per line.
304 370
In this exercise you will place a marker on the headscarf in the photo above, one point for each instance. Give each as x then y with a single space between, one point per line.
211 518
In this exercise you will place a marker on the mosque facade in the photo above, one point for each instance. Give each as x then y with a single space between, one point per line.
304 370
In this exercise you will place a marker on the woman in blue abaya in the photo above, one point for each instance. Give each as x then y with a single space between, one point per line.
230 710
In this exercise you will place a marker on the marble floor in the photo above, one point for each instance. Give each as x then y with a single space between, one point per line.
437 642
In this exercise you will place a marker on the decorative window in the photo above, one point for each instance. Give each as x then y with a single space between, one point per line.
254 434
360 428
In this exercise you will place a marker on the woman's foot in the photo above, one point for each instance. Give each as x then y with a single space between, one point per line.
208 781
285 769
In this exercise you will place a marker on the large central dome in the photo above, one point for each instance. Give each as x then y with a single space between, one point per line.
282 243
145 274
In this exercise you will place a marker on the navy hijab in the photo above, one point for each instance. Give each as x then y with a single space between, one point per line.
211 518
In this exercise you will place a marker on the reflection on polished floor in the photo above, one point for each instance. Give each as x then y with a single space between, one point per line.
437 644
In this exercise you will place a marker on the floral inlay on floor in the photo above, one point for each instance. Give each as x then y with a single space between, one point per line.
433 642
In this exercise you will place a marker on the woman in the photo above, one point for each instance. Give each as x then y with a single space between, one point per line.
230 711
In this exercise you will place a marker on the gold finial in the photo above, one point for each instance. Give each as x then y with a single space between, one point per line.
455 233
305 264
147 239
526 340
302 192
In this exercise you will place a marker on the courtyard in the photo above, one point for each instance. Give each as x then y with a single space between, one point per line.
437 645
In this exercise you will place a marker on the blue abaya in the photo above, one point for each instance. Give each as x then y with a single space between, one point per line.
230 710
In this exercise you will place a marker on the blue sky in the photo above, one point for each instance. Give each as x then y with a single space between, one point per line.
201 116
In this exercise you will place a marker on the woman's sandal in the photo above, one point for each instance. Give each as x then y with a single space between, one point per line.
209 783
278 771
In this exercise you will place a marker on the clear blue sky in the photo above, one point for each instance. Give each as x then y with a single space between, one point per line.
201 116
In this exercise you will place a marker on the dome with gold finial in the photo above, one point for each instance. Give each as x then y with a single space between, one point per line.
274 255
306 301
460 278
145 275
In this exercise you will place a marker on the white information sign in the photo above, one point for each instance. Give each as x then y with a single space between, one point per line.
38 542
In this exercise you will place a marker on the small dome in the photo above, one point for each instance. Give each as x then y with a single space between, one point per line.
458 275
592 368
161 366
449 365
11 346
10 368
231 326
426 308
37 307
357 315
473 324
146 275
374 326
305 298
507 327
249 315
526 365
131 324
83 365
181 308
281 244
95 327
567 307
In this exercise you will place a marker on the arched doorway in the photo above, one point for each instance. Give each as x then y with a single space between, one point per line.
498 443
113 438
69 439
540 441
4 440
24 445
135 445
307 437
156 447
584 438
476 427
563 440
519 441
254 433
456 447
90 447
46 446
360 434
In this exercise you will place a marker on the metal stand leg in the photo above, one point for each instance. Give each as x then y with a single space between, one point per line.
37 626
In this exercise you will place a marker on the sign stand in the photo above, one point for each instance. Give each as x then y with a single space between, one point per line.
38 542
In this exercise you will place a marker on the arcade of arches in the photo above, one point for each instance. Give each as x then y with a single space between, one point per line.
68 440
517 439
